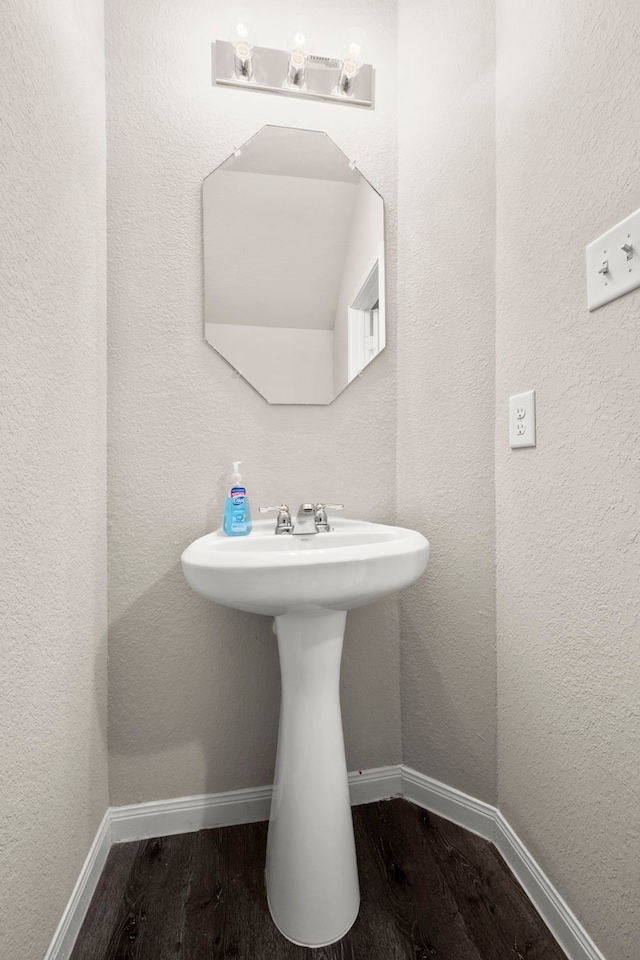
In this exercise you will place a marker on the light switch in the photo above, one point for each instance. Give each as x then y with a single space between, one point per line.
613 262
522 419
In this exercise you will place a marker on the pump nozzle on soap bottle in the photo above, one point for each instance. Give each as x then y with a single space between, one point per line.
237 514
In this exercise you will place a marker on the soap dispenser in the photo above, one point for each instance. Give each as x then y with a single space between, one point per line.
237 515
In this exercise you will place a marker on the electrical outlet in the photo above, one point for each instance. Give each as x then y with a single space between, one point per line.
522 419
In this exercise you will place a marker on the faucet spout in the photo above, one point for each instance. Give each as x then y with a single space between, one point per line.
305 521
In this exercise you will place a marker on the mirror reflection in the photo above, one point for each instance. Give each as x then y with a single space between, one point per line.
293 266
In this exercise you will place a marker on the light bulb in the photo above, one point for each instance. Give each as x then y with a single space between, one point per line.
242 38
353 56
298 43
300 47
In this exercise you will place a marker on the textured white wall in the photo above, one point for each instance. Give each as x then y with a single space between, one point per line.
194 688
567 533
53 769
445 383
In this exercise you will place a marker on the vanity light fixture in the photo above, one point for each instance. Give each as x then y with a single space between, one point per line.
295 71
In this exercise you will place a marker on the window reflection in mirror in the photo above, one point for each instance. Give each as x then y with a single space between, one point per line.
293 266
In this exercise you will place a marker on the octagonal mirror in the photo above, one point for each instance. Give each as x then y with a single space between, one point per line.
293 266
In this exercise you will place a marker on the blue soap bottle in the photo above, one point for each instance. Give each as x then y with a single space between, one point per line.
237 515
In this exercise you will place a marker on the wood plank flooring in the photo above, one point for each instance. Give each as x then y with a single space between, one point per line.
429 890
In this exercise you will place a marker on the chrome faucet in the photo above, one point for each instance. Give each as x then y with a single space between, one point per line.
310 519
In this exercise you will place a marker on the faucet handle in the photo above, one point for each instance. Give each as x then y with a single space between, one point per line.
322 523
283 523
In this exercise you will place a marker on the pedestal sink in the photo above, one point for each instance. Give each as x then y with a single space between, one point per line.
308 584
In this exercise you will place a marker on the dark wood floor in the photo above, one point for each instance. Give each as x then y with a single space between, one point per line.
429 890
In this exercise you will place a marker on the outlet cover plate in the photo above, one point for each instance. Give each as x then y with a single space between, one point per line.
622 272
522 419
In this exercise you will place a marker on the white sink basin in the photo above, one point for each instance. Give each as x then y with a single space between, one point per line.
263 573
308 583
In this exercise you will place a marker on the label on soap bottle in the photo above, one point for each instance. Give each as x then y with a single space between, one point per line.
238 495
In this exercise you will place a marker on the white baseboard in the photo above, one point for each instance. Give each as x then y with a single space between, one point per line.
164 818
73 917
141 821
380 783
488 822
447 802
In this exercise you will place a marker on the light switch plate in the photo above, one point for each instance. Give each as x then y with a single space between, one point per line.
522 419
612 270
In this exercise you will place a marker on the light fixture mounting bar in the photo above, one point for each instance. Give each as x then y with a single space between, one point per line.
270 70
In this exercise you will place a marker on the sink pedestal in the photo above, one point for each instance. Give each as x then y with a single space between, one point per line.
311 874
